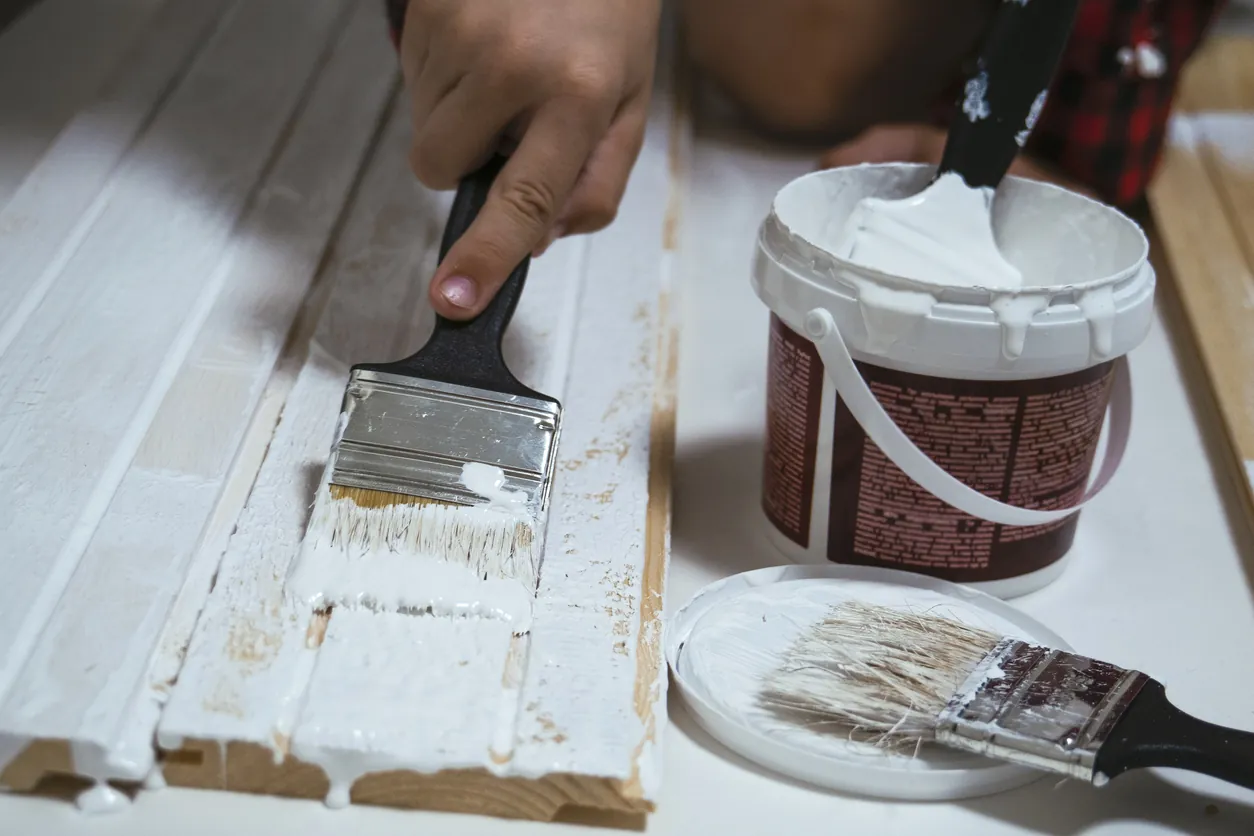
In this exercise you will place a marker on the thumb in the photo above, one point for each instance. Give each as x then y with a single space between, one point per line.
519 211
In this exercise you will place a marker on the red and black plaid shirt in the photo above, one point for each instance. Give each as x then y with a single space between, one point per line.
1106 116
1104 121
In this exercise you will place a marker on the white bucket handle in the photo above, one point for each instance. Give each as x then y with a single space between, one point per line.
881 429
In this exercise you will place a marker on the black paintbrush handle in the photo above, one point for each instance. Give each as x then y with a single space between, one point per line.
1153 732
1015 68
469 353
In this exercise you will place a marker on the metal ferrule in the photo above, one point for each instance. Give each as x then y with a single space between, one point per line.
1039 707
412 436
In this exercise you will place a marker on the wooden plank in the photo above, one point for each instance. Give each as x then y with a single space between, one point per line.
249 643
87 680
52 60
89 369
46 218
1203 203
274 698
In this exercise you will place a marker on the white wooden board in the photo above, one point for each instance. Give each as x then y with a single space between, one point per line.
52 60
131 377
213 237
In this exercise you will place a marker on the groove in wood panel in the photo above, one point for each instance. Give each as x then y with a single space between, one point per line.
89 404
52 60
114 609
251 647
51 212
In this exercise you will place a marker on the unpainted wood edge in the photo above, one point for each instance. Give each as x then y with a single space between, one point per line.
41 757
45 768
252 768
661 445
1184 277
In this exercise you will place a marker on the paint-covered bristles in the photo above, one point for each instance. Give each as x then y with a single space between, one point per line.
879 674
490 543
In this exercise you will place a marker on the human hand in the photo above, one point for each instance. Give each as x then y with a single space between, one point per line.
565 83
922 143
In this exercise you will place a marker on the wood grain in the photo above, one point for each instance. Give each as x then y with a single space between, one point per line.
1203 205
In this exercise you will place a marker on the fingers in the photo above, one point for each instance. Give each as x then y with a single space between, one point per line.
889 144
593 203
521 208
461 129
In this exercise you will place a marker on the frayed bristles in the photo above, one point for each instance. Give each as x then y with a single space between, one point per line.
490 543
881 675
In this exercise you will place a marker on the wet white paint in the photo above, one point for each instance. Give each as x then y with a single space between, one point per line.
101 798
1020 250
943 236
443 559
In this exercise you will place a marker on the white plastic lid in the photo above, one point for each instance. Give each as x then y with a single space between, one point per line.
764 611
1088 292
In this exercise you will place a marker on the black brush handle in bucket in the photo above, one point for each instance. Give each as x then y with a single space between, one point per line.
1154 733
1016 65
469 353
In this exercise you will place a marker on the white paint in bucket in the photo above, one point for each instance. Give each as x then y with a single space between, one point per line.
1086 300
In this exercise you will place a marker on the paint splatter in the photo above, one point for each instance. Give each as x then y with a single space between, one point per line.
974 104
1143 58
1038 104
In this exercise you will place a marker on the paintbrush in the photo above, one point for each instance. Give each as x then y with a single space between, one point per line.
944 233
898 679
437 486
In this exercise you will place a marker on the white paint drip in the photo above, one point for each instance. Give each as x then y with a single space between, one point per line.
480 561
351 732
155 779
101 798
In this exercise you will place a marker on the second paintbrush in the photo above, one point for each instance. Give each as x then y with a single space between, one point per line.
437 487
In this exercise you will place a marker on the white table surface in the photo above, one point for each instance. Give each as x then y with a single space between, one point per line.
1160 579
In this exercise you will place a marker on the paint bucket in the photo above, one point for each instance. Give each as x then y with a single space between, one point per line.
946 431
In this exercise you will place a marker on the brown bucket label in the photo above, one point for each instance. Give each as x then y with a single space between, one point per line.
793 396
1029 443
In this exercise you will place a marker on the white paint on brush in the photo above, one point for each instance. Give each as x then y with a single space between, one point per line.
478 561
448 560
488 481
920 245
942 236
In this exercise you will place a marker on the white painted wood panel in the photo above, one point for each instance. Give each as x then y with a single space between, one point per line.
52 59
53 208
249 643
360 692
87 678
173 369
88 370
